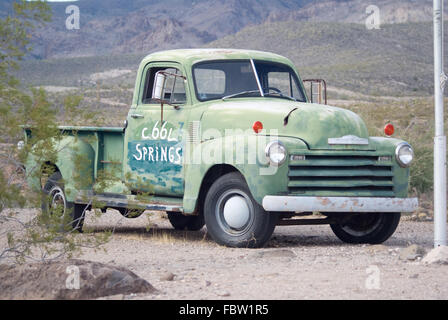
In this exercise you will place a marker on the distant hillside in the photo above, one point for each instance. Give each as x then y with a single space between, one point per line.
129 26
354 11
79 71
110 27
395 60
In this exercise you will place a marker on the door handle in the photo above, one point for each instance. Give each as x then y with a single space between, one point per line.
137 116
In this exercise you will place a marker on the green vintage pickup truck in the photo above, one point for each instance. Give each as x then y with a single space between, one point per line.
230 139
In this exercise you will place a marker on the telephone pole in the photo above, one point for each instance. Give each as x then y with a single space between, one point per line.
440 138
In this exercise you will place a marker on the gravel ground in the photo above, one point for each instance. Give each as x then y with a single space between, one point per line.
299 262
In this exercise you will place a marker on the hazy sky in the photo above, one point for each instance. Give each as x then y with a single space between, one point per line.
55 0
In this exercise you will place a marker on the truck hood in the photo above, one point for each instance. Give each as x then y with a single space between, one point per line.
312 123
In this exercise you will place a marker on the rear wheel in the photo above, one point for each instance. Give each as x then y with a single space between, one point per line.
183 222
370 228
233 218
57 210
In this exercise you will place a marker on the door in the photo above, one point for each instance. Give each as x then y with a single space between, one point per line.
154 146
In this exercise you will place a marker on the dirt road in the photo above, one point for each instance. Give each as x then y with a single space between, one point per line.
300 262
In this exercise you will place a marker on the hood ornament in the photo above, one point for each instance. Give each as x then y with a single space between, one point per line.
350 139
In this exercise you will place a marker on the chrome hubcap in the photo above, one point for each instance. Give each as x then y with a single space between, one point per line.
236 212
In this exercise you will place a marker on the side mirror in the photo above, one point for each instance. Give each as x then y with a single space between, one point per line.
317 91
158 90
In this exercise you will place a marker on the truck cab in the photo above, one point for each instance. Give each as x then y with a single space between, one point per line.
229 138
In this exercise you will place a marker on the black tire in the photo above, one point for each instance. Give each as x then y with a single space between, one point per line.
71 215
372 228
182 222
251 228
131 213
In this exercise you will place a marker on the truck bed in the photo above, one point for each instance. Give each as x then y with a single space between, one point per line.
107 143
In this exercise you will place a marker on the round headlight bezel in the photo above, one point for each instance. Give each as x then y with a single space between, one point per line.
268 153
397 154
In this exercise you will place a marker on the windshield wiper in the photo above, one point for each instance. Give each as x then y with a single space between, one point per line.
239 94
281 95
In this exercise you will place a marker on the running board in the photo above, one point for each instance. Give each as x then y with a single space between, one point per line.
130 201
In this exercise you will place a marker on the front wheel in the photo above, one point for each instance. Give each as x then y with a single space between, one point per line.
373 228
233 218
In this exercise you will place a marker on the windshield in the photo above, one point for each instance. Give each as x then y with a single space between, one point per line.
231 79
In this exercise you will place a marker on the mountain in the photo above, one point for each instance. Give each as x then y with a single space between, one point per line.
354 11
326 39
135 26
397 59
114 27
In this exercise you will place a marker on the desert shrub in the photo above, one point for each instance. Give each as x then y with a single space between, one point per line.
36 235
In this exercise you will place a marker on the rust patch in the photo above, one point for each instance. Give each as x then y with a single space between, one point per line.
324 201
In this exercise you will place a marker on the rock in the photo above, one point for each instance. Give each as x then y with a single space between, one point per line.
207 283
377 248
412 252
413 276
167 276
422 216
437 255
223 293
71 279
280 253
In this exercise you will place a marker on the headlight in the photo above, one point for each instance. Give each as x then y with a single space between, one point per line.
404 154
276 153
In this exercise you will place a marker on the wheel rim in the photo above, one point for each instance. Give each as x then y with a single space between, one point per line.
234 212
361 225
58 203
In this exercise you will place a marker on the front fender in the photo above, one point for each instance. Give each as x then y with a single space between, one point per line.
262 179
401 175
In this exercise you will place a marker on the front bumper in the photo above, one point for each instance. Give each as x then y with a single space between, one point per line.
338 204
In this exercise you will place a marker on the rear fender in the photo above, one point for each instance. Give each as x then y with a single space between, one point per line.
75 160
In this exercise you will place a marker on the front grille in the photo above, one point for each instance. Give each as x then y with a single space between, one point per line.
341 175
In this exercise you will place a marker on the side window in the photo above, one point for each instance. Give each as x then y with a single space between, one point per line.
174 87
